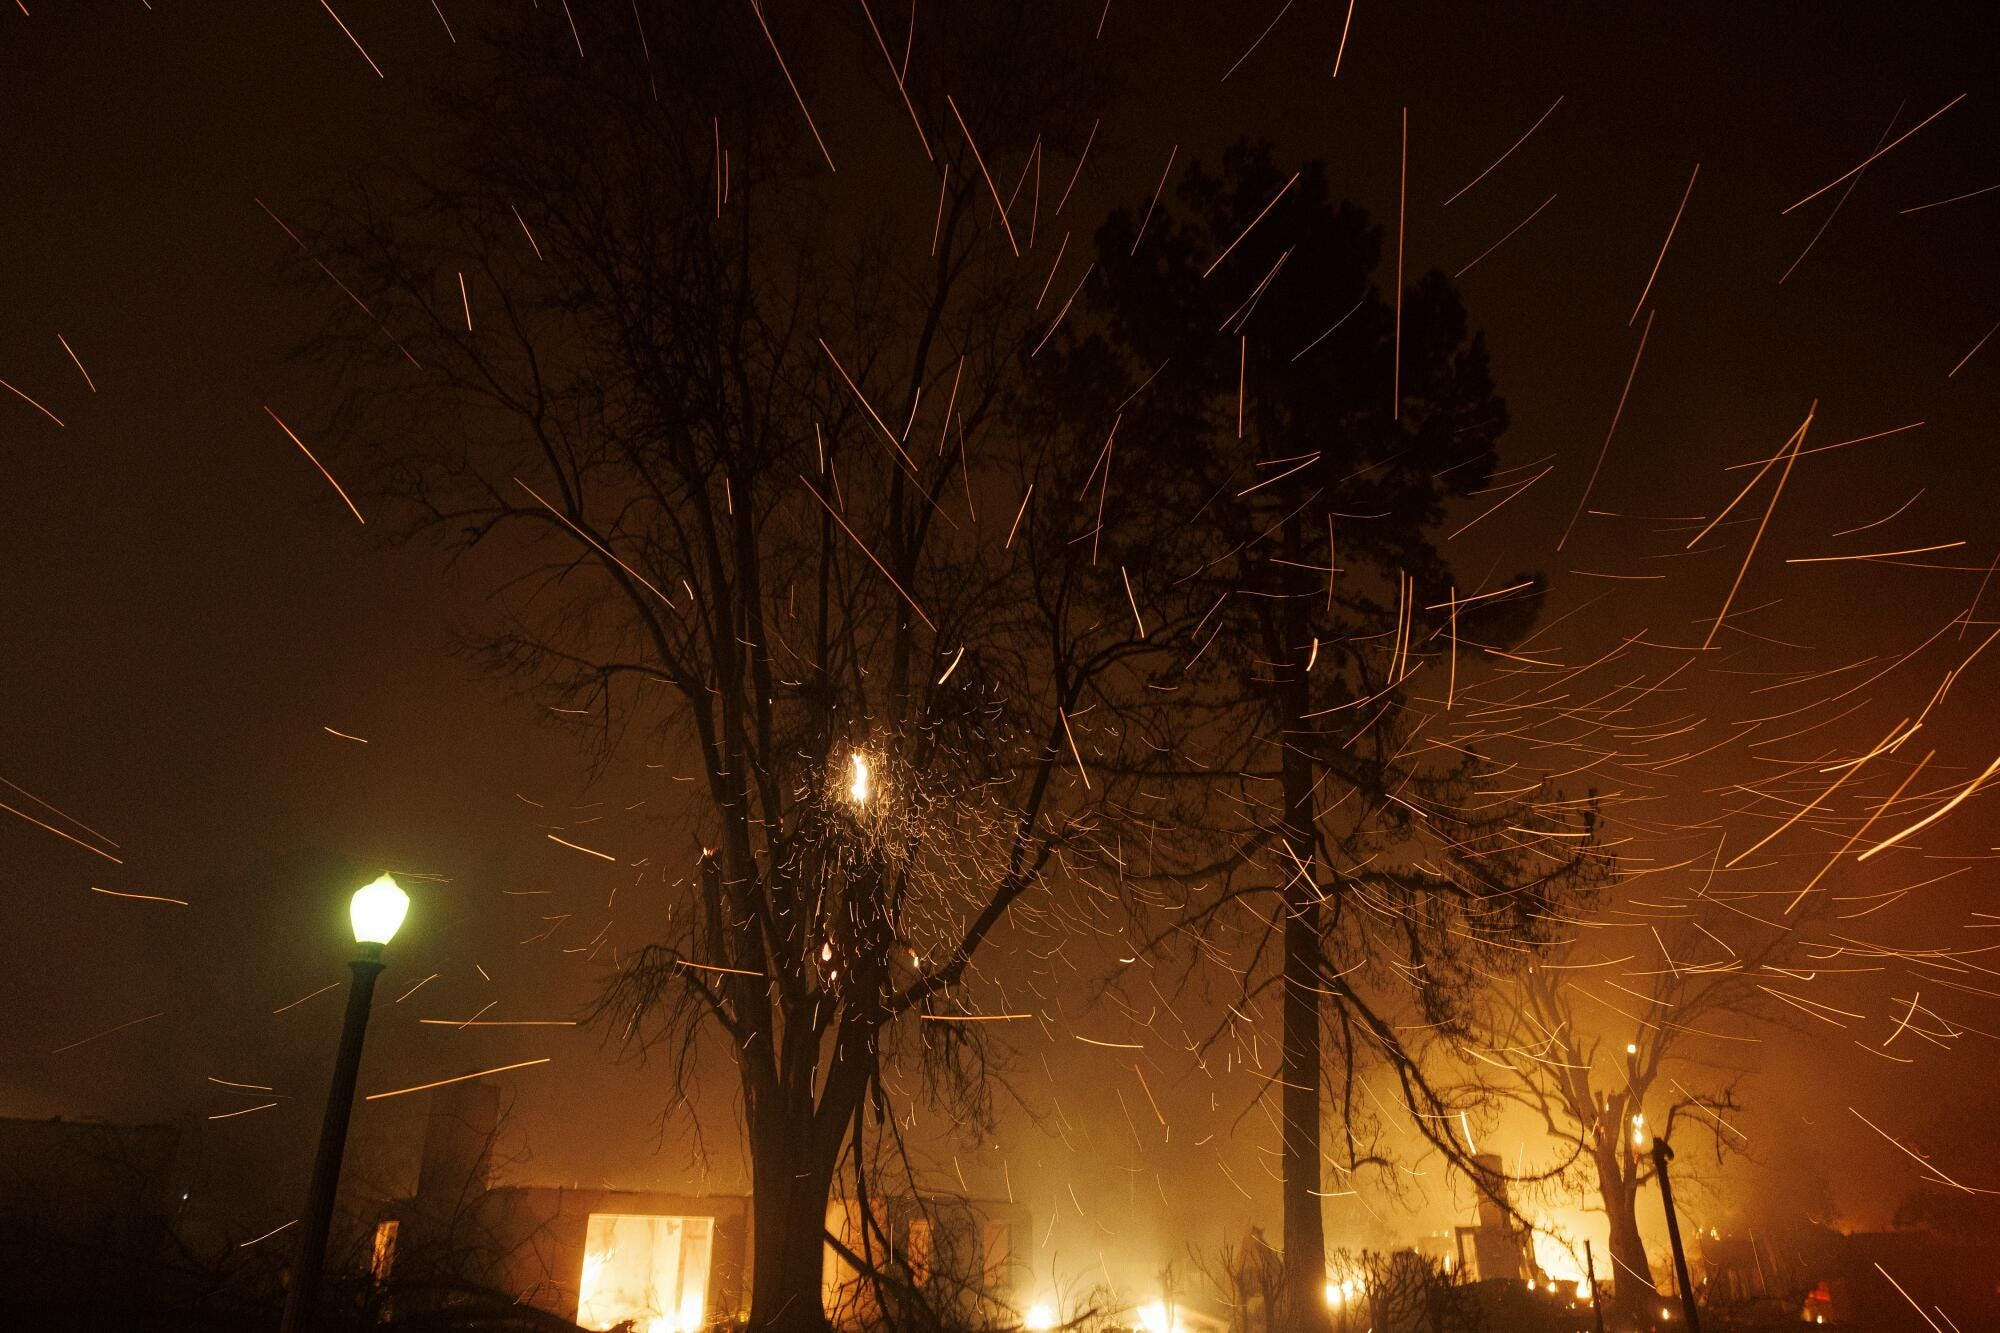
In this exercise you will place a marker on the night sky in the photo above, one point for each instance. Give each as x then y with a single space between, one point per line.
188 613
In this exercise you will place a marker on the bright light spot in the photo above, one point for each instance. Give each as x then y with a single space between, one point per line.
1334 1295
1153 1318
1551 1257
644 1272
1639 1131
1558 1261
1583 1290
857 790
377 909
1665 1314
1040 1316
1631 1048
383 1260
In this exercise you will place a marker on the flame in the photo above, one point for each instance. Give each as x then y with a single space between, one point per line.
857 790
685 1320
1557 1254
655 1280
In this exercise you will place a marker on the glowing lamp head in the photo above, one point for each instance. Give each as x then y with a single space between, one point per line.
857 787
1631 1048
377 909
1040 1317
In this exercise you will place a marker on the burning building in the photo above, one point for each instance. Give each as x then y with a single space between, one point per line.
658 1261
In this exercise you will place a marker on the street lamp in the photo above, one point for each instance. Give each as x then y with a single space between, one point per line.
376 910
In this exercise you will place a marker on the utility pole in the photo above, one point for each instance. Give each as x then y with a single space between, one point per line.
1590 1273
1662 1154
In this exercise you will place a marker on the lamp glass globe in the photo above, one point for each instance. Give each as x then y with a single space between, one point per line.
377 910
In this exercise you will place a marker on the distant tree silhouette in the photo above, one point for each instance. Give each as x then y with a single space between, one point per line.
1663 1051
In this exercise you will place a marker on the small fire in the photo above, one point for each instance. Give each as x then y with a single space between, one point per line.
685 1320
857 790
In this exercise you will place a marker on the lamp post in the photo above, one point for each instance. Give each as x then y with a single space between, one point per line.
1662 1154
376 910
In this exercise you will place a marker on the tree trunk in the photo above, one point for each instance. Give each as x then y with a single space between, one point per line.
791 1178
1303 1308
1635 1296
